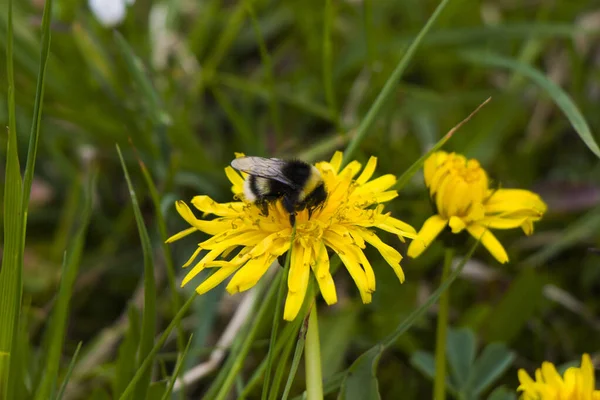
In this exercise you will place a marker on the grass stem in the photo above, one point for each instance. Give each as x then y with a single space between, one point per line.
439 387
312 358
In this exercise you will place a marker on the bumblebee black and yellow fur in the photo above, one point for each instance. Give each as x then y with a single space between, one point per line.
298 184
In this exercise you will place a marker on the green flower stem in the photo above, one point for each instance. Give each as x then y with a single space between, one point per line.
439 388
312 358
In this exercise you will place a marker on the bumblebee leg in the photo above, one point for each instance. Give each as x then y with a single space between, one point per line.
263 206
290 206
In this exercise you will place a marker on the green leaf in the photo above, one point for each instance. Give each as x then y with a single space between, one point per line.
170 265
277 315
54 340
337 332
388 89
65 382
503 393
11 283
368 363
16 202
425 362
461 354
22 370
300 340
125 365
361 378
306 105
494 360
144 367
560 97
156 390
37 112
267 65
177 370
408 174
226 39
288 335
242 127
149 315
156 111
328 21
516 307
238 359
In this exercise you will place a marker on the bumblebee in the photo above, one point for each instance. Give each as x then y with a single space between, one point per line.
298 184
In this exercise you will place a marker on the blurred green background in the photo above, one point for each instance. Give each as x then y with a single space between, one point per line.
181 85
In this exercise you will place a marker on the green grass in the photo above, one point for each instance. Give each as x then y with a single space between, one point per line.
90 292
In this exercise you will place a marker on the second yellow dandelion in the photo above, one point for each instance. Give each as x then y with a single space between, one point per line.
463 200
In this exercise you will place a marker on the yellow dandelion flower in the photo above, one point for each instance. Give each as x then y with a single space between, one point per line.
343 224
463 199
577 383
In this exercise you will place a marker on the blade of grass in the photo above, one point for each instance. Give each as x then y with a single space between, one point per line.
58 323
369 32
68 216
285 355
297 356
154 108
11 273
11 283
306 105
226 38
37 112
328 18
23 351
247 343
286 336
405 177
268 68
244 130
177 370
65 382
156 111
125 363
329 385
145 365
389 86
369 359
149 315
162 230
412 318
558 95
276 318
229 363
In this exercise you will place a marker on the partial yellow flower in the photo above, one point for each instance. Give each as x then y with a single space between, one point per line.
577 383
463 200
343 224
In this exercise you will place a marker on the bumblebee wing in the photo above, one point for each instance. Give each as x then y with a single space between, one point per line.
270 168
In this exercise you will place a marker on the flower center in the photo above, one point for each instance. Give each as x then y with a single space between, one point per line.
470 171
309 232
460 187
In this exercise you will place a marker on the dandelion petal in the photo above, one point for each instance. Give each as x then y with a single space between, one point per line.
430 230
212 281
489 241
297 283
